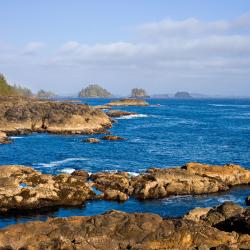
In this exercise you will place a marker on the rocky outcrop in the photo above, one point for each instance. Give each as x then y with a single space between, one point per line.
45 94
4 138
119 113
115 195
248 200
26 115
193 178
22 188
119 230
112 138
91 140
139 93
128 102
94 91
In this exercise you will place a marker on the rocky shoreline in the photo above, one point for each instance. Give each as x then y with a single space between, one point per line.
23 188
223 227
26 115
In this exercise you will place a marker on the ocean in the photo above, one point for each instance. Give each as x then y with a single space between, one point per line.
167 133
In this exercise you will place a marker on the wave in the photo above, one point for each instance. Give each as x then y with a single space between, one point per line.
16 137
132 116
58 163
67 170
230 105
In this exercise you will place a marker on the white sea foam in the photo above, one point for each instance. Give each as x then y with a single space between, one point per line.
16 137
133 173
67 170
58 163
132 116
230 105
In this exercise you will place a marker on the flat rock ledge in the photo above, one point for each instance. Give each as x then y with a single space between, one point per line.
27 115
128 102
192 178
118 230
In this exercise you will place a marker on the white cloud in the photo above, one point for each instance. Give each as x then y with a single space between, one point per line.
32 47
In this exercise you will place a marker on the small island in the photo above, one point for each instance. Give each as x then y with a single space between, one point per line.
128 102
45 94
94 91
182 95
139 93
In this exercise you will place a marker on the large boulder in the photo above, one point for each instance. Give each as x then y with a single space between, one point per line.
33 115
117 230
115 195
22 188
112 138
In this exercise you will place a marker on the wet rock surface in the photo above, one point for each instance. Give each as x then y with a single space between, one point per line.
112 138
22 188
118 230
119 113
91 140
27 115
128 102
4 138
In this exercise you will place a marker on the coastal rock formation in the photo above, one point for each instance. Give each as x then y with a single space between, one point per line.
182 95
112 138
91 140
22 188
193 178
128 102
45 94
4 138
26 115
119 113
119 230
94 91
139 93
115 195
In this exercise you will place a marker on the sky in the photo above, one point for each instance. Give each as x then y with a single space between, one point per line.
163 46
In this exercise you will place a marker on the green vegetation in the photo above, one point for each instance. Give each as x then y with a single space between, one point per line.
45 94
8 90
94 90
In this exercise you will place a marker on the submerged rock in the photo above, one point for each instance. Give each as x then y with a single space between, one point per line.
112 138
128 102
22 188
119 113
91 140
33 115
119 230
4 138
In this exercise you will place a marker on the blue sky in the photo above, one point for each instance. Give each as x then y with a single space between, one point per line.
162 46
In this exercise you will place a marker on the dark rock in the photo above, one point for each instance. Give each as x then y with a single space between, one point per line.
139 93
182 95
91 140
248 200
112 138
94 91
119 113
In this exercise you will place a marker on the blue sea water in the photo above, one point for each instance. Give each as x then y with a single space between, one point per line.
175 132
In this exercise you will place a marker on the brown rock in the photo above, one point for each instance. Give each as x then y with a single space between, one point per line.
118 230
115 195
128 102
197 213
81 174
119 113
91 140
112 138
22 188
4 139
27 114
